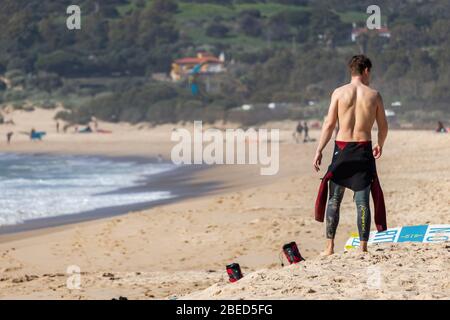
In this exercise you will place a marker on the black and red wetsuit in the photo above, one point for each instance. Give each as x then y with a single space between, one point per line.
353 167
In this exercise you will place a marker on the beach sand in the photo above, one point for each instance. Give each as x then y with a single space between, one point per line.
390 271
181 249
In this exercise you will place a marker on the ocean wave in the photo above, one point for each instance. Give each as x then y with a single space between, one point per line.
33 187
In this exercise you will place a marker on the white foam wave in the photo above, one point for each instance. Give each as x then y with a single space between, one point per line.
34 187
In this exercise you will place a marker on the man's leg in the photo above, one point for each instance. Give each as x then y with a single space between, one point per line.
362 200
333 208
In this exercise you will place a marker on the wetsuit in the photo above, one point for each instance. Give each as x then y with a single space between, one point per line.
362 200
353 167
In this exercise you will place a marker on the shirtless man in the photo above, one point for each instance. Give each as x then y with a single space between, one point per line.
354 107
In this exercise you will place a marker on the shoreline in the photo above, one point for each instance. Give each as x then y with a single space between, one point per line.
126 142
163 181
186 182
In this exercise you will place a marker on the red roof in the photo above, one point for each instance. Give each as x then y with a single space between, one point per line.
191 60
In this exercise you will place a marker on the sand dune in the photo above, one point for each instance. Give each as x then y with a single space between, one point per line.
398 271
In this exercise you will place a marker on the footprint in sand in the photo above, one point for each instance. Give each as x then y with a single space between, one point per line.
10 269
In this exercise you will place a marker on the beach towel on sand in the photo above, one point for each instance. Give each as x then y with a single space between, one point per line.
353 166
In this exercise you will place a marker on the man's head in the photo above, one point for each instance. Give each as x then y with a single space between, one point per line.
360 66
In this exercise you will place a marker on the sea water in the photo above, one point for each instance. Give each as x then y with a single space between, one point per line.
41 186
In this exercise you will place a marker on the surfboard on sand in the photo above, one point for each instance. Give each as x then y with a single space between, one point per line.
425 233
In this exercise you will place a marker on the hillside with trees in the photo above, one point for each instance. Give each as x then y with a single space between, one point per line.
283 51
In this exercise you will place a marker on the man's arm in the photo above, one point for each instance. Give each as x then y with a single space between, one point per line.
327 130
382 127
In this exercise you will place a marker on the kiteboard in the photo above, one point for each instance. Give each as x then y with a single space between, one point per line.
424 233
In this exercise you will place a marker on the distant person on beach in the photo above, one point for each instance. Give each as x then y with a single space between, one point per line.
57 126
36 135
95 122
298 132
356 107
88 129
306 129
441 128
9 136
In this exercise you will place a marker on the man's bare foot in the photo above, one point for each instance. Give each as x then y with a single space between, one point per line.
329 250
363 246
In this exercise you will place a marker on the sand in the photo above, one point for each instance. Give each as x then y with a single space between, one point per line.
181 249
390 271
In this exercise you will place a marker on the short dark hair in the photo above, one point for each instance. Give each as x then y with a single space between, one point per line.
358 64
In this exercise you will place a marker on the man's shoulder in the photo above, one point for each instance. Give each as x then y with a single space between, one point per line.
340 90
372 91
343 87
345 90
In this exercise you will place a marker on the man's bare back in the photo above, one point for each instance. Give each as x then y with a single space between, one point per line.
357 106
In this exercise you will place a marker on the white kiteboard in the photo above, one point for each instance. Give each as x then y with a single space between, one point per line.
425 234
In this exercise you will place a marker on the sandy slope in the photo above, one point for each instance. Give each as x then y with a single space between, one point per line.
183 247
396 271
